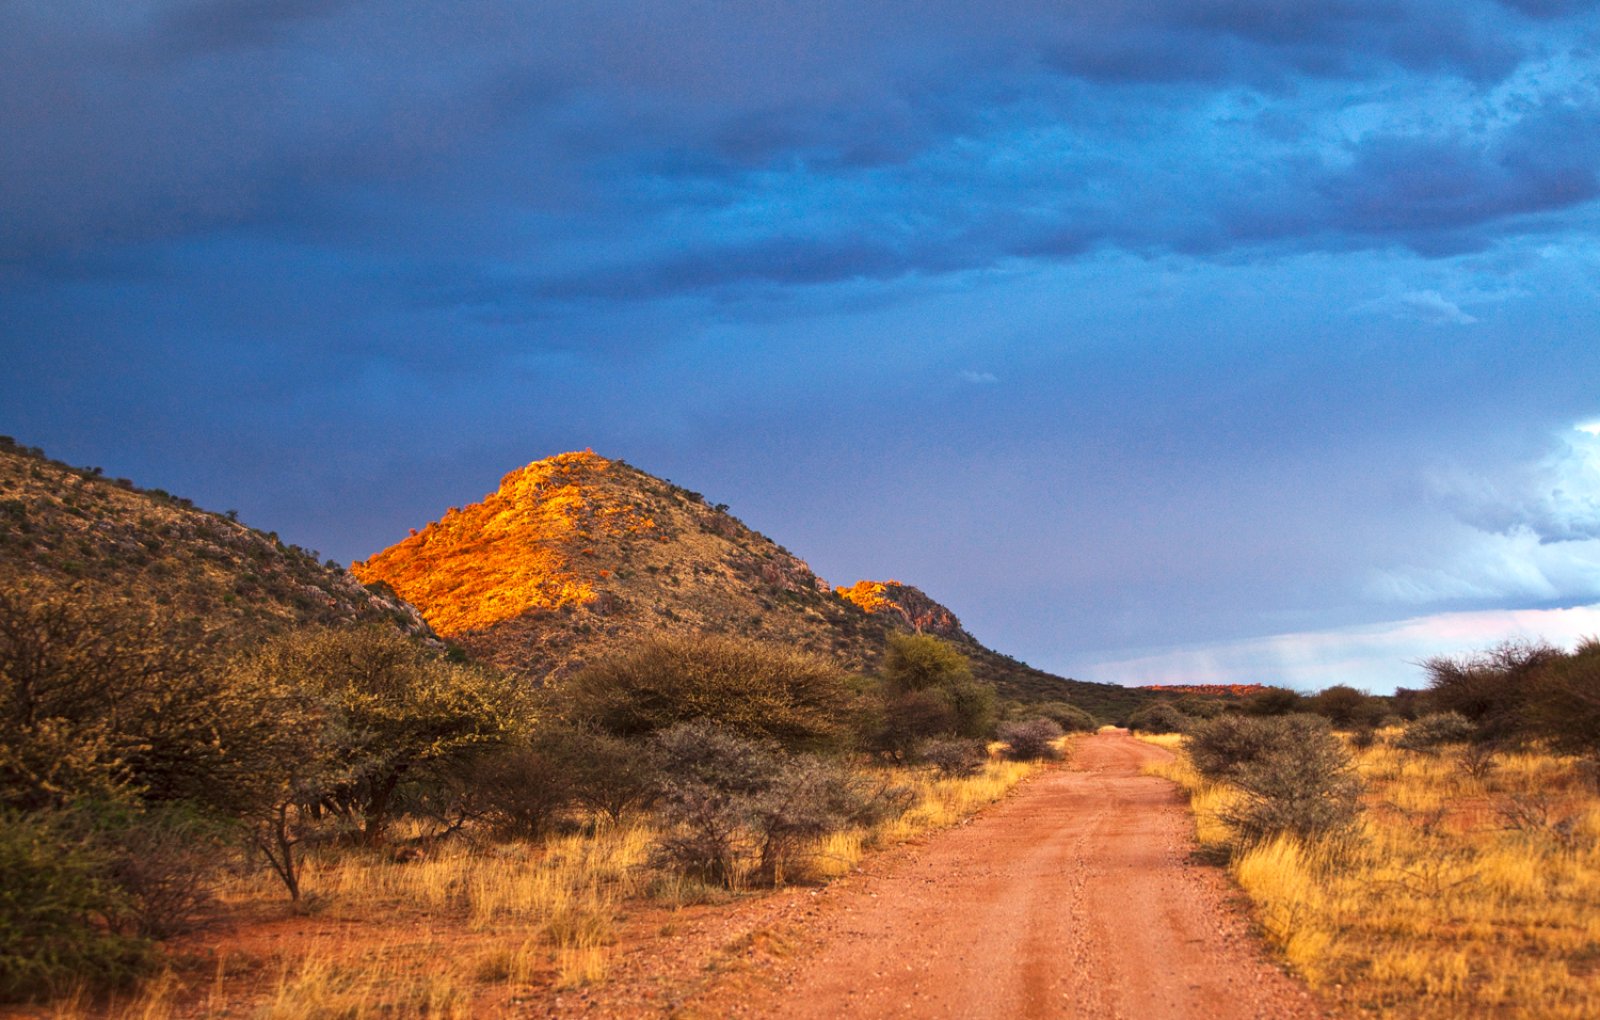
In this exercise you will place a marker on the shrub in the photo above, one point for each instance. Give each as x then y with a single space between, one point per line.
1274 701
926 691
61 916
520 789
1489 688
953 756
1564 701
974 705
1031 740
102 701
906 721
1430 732
606 774
1307 789
1345 707
164 859
1220 748
737 809
1158 717
710 775
760 690
1070 718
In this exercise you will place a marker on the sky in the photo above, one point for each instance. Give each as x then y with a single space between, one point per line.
1164 341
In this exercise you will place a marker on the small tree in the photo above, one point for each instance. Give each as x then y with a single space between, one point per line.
394 708
918 662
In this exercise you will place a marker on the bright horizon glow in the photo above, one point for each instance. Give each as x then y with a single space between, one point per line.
1377 658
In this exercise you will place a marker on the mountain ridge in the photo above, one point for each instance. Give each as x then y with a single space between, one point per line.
577 555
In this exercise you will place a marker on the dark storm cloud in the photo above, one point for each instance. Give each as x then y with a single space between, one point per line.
169 119
326 261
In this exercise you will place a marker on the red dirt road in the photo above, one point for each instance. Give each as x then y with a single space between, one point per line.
1075 897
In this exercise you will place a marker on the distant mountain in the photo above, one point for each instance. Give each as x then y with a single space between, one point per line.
576 556
64 527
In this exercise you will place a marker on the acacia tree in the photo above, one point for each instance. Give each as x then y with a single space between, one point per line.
927 691
1491 687
1563 702
388 710
756 689
101 700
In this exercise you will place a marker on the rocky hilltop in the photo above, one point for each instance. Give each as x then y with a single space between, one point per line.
578 555
65 527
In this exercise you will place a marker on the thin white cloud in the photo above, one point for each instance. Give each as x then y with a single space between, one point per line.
979 378
1377 658
1426 306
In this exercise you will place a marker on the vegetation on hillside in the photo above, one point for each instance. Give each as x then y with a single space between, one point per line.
63 527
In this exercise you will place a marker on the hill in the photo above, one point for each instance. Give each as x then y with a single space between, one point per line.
577 555
65 527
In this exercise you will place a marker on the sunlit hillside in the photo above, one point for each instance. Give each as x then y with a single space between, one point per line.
911 605
578 555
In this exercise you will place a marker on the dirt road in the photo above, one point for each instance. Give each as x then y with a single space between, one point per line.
1074 898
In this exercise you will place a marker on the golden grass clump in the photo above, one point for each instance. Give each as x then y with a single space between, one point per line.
1461 896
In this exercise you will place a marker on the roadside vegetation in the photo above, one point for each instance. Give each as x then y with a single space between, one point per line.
1444 862
425 834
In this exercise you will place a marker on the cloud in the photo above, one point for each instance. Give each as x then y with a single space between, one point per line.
1427 306
979 378
1554 500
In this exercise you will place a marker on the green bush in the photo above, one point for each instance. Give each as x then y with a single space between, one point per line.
520 789
917 662
1158 717
901 723
1031 740
926 691
1070 718
392 711
606 774
62 917
103 701
760 690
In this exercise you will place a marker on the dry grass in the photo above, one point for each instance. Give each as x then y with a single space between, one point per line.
464 929
1463 897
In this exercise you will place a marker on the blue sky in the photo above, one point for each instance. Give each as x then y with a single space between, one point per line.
1210 340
